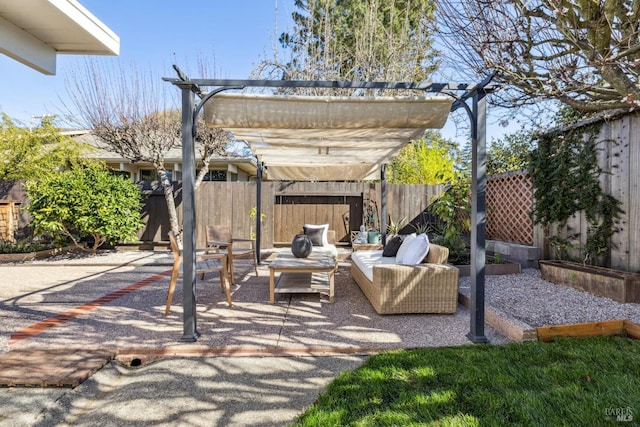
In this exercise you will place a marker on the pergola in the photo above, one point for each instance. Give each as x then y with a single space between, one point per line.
330 138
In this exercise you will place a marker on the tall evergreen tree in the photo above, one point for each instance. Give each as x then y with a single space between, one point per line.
357 40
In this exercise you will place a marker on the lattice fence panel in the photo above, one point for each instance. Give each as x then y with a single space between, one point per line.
509 205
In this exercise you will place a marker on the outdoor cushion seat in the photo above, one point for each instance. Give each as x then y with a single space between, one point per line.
328 249
428 287
325 244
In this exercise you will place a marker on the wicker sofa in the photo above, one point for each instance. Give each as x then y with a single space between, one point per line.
429 287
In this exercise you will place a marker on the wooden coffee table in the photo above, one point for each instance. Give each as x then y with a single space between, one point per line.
313 274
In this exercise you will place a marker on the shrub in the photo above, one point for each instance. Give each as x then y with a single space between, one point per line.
86 201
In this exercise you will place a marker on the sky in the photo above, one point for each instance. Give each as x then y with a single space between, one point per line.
154 34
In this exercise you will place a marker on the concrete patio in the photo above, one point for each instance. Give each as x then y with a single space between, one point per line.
254 364
132 318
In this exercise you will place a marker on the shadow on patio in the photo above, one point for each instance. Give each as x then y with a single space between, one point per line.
296 324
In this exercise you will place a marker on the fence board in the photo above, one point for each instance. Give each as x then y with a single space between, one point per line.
618 163
633 213
8 221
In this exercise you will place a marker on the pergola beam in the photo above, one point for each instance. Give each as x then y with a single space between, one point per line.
425 86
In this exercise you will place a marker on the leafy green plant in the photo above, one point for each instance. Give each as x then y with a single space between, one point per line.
459 251
29 153
253 213
453 211
566 180
430 160
86 201
394 227
31 244
562 246
420 228
509 153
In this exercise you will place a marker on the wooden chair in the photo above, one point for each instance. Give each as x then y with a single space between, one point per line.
219 239
205 263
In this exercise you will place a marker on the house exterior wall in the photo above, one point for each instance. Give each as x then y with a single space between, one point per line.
146 172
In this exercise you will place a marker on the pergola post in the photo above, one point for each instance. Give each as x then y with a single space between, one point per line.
478 215
258 210
189 217
383 197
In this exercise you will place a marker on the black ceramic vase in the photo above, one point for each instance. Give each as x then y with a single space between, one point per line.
301 246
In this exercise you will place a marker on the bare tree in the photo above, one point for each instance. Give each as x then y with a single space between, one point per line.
130 114
583 53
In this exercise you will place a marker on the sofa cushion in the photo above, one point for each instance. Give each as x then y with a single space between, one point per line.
416 251
404 246
365 260
392 246
328 249
317 233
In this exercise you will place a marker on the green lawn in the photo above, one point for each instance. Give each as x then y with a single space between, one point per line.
571 382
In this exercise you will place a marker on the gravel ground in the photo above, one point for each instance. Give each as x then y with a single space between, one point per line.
537 302
109 257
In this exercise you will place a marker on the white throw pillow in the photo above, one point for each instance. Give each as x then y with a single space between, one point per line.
404 246
325 229
417 250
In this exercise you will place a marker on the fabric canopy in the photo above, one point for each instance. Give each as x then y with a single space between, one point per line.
313 138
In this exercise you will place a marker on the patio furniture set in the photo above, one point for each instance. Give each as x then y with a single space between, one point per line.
408 275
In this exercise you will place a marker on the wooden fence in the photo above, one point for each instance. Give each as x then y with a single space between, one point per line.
14 220
344 206
619 157
287 207
8 220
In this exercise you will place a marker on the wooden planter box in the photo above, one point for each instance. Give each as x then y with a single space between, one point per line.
620 286
30 256
492 269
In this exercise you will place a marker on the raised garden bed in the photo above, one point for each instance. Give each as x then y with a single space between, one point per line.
591 329
30 256
493 269
620 286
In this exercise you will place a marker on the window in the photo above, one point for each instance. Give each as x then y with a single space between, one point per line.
216 175
149 175
123 174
